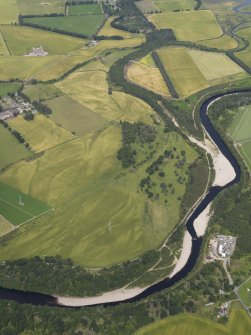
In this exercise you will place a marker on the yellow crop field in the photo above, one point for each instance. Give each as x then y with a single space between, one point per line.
108 30
215 66
39 7
148 77
8 11
21 40
90 89
5 226
41 133
223 42
182 70
189 25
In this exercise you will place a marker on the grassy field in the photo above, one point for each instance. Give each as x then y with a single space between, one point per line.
148 77
90 89
3 47
182 70
171 5
189 25
51 67
13 211
6 88
10 149
216 66
38 7
86 25
85 183
5 226
42 91
188 324
74 117
21 40
148 60
8 12
41 133
147 6
88 9
245 55
245 293
239 131
108 30
223 42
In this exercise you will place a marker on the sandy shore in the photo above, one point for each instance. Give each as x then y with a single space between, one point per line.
112 296
185 253
200 224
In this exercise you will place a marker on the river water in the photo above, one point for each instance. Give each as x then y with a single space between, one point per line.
41 299
241 8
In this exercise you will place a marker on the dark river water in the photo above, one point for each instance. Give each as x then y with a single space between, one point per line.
241 8
41 299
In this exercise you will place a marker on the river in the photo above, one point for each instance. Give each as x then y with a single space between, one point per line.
133 295
241 8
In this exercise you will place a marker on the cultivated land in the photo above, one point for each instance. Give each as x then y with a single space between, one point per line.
182 70
41 133
79 186
88 9
148 77
74 117
85 25
8 12
188 25
108 30
245 55
38 7
14 211
193 70
239 131
21 40
5 226
10 149
171 5
3 47
245 293
238 323
223 42
90 89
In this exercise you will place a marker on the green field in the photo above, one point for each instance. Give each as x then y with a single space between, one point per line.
74 117
6 88
88 9
41 133
171 5
10 149
85 25
245 55
38 7
42 91
245 293
239 130
21 40
182 70
239 323
189 25
13 211
8 12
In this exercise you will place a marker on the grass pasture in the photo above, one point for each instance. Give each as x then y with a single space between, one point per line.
13 211
148 77
21 40
171 5
189 324
74 117
240 133
216 67
41 133
8 12
10 149
189 25
38 7
85 25
245 55
87 9
90 89
42 91
182 70
245 293
108 30
6 88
